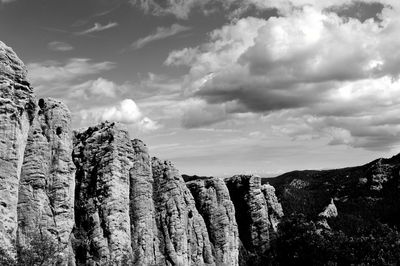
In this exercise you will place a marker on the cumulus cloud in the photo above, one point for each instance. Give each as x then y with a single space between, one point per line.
334 74
60 46
99 87
97 27
126 112
160 34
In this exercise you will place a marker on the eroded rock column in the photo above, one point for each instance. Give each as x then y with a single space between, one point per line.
214 204
103 156
47 185
145 238
252 217
183 233
275 211
17 108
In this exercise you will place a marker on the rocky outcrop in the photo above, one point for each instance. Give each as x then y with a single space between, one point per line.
144 234
379 174
329 212
17 107
183 234
103 201
275 211
252 217
47 183
214 204
103 156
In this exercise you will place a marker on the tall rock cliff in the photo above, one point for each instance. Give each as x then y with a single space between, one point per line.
214 204
144 233
103 156
102 200
17 107
275 211
47 183
252 217
183 233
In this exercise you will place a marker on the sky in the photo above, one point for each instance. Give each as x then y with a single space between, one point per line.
222 87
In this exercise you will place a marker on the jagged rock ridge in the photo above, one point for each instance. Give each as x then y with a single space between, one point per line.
100 196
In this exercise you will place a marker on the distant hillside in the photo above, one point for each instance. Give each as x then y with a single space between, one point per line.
363 195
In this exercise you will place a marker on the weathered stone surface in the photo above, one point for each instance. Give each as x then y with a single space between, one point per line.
251 216
214 204
275 211
17 107
330 211
11 66
103 156
183 233
47 184
145 240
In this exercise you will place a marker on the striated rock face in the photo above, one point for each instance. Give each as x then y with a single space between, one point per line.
103 156
105 202
17 107
275 211
144 233
183 233
252 217
214 204
47 183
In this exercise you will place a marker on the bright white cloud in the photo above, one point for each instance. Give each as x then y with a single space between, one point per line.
126 112
336 76
91 89
97 27
159 34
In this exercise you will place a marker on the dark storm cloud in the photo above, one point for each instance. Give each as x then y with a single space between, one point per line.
261 99
359 10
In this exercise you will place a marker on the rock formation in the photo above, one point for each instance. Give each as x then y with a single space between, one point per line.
275 211
47 183
144 233
215 205
17 107
103 200
103 156
251 215
183 233
329 212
